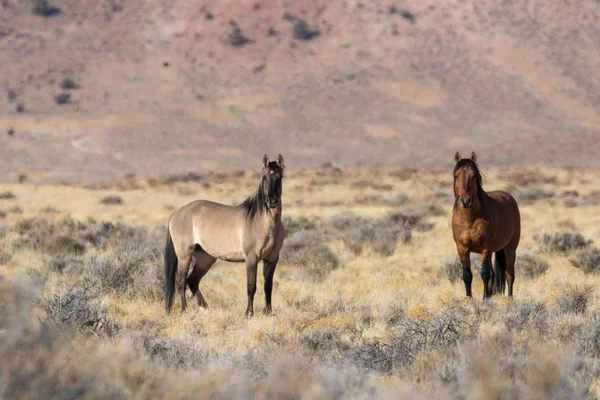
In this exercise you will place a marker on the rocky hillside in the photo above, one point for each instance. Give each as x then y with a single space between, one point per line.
92 90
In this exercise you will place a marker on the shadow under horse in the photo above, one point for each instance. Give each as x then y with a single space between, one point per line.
484 223
205 231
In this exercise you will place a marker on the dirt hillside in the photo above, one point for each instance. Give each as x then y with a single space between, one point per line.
153 87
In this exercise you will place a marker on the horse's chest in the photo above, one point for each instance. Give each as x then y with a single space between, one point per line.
474 237
268 246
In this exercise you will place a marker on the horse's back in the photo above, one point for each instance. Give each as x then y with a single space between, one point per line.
213 226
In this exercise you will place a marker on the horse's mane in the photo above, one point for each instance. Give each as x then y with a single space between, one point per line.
467 162
255 204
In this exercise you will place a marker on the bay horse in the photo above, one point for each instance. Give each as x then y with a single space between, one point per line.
205 231
484 223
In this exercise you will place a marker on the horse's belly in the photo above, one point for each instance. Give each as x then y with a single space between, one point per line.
232 257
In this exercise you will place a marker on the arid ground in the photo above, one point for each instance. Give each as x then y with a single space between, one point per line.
368 297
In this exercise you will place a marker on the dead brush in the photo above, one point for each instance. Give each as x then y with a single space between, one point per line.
575 299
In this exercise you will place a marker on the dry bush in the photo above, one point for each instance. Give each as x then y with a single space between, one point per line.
179 353
533 194
131 272
77 306
301 31
112 200
527 314
324 341
588 260
381 235
73 237
62 98
575 299
529 266
7 195
4 257
453 270
236 37
412 338
308 251
588 338
562 242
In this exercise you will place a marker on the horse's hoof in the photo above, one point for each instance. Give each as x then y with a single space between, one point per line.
249 314
268 311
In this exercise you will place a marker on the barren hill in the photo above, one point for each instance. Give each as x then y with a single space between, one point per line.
164 87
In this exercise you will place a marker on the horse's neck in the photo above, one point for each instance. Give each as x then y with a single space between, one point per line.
271 219
472 213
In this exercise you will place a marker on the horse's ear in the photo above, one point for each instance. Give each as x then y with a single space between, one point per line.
265 160
280 161
457 157
473 157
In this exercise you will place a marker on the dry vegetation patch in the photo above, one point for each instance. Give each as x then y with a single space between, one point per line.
365 306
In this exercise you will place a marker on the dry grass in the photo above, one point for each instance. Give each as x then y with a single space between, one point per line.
368 299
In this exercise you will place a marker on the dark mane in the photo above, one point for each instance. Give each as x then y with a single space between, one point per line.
254 204
466 162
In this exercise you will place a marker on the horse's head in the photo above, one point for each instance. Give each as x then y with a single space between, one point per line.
467 180
272 175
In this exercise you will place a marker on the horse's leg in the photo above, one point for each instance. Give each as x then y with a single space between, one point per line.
182 273
491 291
251 269
268 272
486 273
500 271
203 264
511 256
465 260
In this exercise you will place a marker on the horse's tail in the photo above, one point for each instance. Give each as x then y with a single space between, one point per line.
500 272
170 271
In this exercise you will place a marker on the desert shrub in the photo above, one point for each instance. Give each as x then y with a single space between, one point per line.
112 200
381 235
65 244
127 271
529 266
62 98
40 7
236 37
77 305
7 195
526 314
294 225
68 84
575 299
453 270
20 108
307 251
588 338
413 337
4 257
301 31
534 194
588 260
71 236
176 353
323 340
374 356
562 242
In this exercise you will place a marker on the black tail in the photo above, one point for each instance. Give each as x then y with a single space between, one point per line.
170 271
500 272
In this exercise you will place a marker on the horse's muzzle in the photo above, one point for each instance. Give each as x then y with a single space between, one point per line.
465 203
272 202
